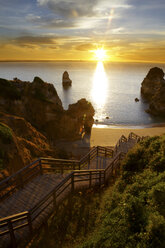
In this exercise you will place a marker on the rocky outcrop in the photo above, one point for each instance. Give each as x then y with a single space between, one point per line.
32 121
153 90
84 112
25 143
66 81
39 104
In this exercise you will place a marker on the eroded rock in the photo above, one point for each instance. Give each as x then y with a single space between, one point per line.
66 81
153 90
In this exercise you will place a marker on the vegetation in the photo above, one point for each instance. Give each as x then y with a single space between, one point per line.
5 139
9 90
132 214
5 134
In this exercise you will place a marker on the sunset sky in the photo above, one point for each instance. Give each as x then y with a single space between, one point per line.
129 30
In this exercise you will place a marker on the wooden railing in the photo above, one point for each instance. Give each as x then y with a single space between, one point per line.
17 180
58 165
120 141
75 180
72 182
48 165
9 225
134 136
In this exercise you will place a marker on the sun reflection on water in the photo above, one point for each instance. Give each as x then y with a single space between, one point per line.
100 85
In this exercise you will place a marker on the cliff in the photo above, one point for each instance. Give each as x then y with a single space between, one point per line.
20 143
39 104
34 114
153 90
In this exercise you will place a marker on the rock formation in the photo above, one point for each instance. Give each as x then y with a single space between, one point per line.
25 143
34 113
39 104
66 81
153 90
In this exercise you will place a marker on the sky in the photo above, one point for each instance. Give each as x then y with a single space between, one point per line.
129 30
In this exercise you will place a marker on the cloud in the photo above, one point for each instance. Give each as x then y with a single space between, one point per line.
70 8
81 8
50 22
85 47
31 41
34 40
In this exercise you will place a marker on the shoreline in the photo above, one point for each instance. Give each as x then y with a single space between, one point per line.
120 126
110 135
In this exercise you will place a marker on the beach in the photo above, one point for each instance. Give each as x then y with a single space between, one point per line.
109 136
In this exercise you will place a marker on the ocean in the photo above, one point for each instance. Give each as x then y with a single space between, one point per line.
110 87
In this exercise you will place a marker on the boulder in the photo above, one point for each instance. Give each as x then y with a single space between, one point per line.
153 90
66 81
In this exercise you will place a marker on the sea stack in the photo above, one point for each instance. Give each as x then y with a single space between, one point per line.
66 81
153 90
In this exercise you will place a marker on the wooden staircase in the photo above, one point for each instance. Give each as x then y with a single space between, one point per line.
29 197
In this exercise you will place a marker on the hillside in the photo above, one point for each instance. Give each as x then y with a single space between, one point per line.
129 214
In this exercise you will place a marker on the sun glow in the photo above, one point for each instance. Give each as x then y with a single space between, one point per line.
100 54
99 90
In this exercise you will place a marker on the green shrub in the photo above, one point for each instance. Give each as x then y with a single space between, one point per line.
132 214
156 231
5 134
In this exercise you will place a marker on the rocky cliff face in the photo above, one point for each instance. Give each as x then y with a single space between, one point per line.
39 104
20 143
153 90
34 114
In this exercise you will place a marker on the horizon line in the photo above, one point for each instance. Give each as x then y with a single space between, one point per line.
76 60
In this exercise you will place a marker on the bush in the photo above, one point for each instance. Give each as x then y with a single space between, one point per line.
5 134
131 214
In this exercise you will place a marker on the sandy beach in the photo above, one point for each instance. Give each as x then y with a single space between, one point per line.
109 136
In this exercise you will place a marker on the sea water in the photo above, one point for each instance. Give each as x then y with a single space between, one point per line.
110 87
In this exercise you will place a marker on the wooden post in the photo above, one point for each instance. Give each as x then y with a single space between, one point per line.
90 179
105 152
104 177
20 180
62 170
89 158
97 151
12 236
72 183
30 223
79 165
54 199
73 166
112 168
100 178
40 166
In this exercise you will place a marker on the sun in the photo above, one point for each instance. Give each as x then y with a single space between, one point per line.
100 54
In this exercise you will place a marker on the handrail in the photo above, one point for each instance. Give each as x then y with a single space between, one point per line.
18 172
88 177
121 140
18 179
132 135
